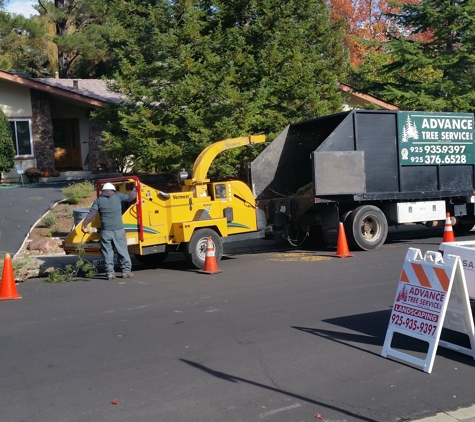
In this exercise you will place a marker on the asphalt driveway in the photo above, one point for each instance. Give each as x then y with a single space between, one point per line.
20 208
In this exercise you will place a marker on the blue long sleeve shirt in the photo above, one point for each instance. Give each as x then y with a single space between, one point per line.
109 207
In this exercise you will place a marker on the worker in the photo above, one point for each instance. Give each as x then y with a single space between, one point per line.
109 206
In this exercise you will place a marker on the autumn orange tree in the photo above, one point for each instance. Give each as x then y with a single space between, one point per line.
365 21
430 57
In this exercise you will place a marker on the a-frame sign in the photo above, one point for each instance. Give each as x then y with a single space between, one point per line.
431 295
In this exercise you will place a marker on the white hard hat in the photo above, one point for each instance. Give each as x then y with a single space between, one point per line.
108 186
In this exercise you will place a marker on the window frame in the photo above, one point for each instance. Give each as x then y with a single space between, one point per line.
15 138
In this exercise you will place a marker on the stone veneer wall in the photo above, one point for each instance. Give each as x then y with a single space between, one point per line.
96 157
42 127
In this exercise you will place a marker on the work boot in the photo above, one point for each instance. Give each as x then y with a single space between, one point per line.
128 275
110 276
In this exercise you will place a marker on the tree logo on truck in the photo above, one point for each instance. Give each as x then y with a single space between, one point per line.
409 131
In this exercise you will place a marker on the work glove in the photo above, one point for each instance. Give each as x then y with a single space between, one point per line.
130 186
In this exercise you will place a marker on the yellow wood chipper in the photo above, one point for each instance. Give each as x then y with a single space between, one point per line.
160 222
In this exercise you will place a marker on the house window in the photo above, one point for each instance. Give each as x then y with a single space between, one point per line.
21 130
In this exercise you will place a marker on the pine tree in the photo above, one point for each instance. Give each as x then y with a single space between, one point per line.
202 71
432 57
7 148
82 34
22 44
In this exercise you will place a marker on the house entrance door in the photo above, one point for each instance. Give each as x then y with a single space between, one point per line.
67 146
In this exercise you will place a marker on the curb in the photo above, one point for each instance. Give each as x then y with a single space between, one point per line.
465 414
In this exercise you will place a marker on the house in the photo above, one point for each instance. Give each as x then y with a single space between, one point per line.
355 99
50 120
51 124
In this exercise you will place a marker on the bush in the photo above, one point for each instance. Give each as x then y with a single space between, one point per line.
7 148
49 220
74 192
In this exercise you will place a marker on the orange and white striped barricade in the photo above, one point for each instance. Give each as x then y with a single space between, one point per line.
431 295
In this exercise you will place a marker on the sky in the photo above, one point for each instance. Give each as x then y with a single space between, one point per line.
21 7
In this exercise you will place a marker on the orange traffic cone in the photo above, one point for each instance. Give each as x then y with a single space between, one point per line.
8 287
448 230
211 266
342 250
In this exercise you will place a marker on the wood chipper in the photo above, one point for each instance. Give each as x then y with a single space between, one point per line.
160 222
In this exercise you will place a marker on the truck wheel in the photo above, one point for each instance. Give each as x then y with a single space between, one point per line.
462 227
367 228
152 260
195 250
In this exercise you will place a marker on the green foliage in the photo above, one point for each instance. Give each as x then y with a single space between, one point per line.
74 192
23 44
7 148
83 36
81 269
69 211
49 220
197 72
430 61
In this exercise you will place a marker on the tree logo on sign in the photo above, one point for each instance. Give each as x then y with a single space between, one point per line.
409 131
402 296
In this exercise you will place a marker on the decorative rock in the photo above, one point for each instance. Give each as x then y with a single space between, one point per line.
43 245
48 270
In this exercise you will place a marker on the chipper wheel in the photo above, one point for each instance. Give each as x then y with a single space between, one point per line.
195 251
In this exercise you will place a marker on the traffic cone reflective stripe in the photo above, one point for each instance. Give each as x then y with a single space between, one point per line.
8 286
342 250
448 230
211 266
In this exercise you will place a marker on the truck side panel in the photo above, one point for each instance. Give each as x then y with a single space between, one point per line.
376 136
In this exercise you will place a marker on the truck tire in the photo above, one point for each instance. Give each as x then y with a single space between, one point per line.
462 227
195 250
152 260
366 228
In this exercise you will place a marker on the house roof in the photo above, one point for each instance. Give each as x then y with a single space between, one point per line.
92 88
90 91
95 92
368 98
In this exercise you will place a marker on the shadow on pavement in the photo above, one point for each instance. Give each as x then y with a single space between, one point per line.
231 378
371 329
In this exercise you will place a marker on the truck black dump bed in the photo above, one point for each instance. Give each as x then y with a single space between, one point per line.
370 155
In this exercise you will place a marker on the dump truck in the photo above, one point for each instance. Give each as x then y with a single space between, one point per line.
161 222
368 170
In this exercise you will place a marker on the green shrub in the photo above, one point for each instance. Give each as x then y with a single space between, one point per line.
7 148
74 192
49 220
72 272
68 211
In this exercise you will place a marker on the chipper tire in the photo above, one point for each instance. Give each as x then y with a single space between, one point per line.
195 251
152 260
366 228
